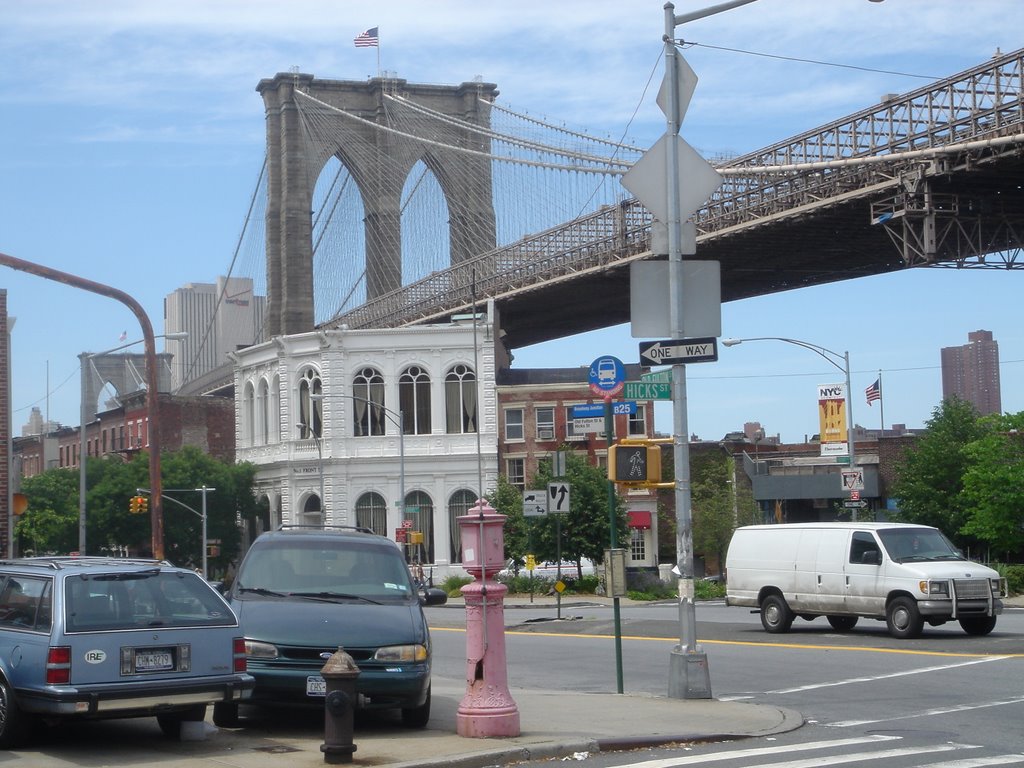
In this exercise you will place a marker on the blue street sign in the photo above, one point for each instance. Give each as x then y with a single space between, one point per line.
607 375
588 411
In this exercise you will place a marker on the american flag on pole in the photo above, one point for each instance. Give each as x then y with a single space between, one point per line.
874 392
367 39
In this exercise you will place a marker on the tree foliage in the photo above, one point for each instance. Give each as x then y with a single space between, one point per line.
51 522
965 476
929 482
585 529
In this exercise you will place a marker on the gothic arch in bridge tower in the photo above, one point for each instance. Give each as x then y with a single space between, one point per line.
295 160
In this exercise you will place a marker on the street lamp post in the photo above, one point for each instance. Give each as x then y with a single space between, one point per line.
396 418
84 414
840 361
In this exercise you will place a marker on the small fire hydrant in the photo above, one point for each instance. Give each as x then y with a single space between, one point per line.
340 673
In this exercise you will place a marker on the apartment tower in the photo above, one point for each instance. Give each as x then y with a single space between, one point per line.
971 372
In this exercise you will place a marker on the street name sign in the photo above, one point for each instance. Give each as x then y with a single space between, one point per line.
663 376
678 351
589 411
588 424
647 390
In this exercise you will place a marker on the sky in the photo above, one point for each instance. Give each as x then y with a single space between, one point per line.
132 139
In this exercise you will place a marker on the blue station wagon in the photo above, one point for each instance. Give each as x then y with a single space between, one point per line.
88 637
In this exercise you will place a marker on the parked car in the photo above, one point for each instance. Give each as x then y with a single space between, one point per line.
301 593
97 637
904 575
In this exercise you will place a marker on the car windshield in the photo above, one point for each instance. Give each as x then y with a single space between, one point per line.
322 569
918 544
142 598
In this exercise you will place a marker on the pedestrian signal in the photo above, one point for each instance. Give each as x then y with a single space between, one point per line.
634 464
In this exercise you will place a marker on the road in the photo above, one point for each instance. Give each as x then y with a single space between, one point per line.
944 698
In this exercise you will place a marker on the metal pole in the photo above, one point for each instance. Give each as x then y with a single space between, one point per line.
85 360
849 420
609 429
203 490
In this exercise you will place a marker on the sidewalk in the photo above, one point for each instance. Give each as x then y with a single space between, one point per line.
553 724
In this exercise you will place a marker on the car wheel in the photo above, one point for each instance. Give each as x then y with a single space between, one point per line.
903 618
978 625
170 724
225 714
12 721
842 623
776 617
417 717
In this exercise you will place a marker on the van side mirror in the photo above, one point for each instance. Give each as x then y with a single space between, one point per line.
433 596
871 557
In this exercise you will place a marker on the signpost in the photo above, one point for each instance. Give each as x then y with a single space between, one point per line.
663 376
679 351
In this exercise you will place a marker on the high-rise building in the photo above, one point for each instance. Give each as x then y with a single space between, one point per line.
218 318
971 372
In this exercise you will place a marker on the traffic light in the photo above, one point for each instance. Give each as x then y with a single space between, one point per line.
143 504
635 463
133 505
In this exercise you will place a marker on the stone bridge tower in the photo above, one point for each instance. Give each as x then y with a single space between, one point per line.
294 163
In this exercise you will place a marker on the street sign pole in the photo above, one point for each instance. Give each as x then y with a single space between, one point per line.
609 430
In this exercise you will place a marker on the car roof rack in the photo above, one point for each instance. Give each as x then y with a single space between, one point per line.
303 527
57 562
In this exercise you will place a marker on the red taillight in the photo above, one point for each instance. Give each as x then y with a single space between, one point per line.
58 665
238 648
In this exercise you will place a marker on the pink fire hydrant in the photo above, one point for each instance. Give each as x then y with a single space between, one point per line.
487 709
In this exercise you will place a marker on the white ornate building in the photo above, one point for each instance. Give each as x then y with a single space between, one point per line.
343 423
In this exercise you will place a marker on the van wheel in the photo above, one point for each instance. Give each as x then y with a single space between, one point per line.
775 614
12 721
978 625
842 623
903 618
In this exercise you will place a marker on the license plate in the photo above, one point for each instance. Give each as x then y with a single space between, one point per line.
316 686
153 661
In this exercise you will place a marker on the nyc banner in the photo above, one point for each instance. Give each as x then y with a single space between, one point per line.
832 419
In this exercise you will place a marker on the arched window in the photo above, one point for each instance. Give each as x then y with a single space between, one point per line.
414 400
460 400
458 505
311 510
420 510
262 425
368 404
249 414
372 513
310 405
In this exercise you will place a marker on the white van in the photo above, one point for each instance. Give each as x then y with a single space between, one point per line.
902 574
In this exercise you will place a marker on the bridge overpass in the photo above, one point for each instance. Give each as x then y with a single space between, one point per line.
929 178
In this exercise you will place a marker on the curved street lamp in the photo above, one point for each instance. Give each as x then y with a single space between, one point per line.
840 361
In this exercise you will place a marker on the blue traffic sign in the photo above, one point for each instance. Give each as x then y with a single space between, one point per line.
607 376
588 411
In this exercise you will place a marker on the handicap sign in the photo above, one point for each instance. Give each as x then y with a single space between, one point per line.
607 376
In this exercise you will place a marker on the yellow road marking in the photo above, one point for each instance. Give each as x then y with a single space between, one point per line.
800 646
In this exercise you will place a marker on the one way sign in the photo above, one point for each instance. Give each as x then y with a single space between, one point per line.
678 352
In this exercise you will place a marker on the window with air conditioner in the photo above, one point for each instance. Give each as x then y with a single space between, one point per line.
545 423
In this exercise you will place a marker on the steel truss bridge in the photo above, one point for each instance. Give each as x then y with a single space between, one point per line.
931 178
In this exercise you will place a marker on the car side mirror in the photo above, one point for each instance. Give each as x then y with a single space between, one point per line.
433 596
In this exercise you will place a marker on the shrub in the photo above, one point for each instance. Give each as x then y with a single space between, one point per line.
452 584
1014 575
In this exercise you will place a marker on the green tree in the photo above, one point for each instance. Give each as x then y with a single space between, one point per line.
50 524
993 484
930 474
586 528
507 499
711 504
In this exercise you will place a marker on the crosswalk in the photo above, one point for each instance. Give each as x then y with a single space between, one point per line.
846 752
